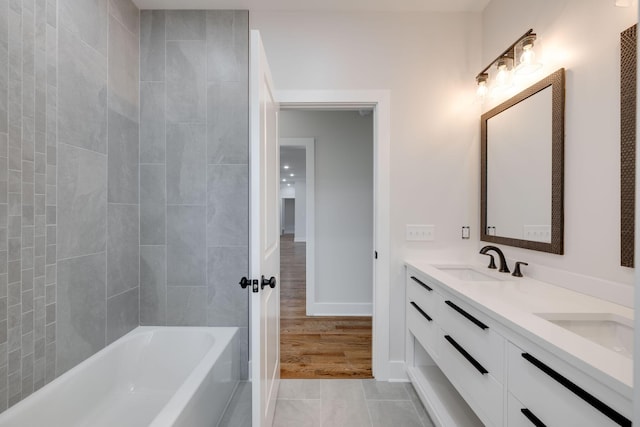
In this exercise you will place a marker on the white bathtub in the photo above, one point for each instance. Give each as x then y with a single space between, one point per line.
153 376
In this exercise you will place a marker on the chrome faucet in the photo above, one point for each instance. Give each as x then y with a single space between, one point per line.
504 268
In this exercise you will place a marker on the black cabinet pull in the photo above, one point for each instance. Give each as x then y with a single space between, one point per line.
467 315
606 410
466 355
426 316
421 283
534 420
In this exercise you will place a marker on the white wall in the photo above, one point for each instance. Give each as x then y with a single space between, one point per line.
289 215
582 36
343 205
286 192
428 62
301 211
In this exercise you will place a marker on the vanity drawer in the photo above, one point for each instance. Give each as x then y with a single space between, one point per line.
558 397
518 415
421 292
475 333
474 381
423 327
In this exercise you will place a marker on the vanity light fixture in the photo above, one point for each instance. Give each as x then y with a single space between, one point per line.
528 63
504 64
481 81
503 79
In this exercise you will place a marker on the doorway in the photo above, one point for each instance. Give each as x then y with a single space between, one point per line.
326 324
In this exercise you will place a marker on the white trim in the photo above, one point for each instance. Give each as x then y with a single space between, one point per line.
398 371
341 309
309 144
379 101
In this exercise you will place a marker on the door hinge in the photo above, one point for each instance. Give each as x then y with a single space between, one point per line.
375 254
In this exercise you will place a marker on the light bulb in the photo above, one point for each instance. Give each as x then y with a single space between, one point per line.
528 62
482 89
286 166
291 174
503 75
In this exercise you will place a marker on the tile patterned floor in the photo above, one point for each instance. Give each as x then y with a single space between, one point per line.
334 403
348 403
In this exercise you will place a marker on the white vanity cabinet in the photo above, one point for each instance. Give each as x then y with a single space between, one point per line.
557 394
453 346
470 369
422 304
472 357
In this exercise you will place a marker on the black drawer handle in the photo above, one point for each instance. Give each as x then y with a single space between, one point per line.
426 316
606 410
421 283
467 315
534 420
466 355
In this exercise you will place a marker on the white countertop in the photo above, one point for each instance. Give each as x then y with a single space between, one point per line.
512 301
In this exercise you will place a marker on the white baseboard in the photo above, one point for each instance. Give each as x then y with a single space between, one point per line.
300 239
397 371
340 309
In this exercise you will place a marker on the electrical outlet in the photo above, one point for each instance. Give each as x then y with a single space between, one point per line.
421 232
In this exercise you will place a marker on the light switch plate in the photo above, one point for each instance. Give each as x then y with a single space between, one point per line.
423 233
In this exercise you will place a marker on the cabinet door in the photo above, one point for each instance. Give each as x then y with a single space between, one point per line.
546 387
474 332
423 326
518 415
474 382
421 291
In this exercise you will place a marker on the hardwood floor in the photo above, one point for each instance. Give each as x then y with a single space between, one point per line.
316 347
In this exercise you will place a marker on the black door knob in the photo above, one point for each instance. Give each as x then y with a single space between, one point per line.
268 282
244 282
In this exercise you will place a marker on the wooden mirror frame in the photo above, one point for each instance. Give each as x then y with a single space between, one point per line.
628 43
557 83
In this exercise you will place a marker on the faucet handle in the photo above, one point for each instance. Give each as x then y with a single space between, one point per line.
516 270
492 262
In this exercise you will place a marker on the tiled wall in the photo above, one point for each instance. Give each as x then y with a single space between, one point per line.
194 168
68 185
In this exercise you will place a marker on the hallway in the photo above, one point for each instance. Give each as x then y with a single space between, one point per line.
316 347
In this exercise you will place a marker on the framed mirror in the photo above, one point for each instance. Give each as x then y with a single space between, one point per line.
628 43
522 168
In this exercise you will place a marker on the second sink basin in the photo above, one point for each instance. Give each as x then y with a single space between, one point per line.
467 274
606 329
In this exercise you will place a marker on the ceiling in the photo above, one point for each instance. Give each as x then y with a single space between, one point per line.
320 5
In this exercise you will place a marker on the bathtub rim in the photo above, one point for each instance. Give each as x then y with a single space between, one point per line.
220 333
174 407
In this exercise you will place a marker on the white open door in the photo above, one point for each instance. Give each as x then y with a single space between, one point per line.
264 234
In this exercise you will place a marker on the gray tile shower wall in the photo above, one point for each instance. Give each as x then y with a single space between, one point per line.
194 120
69 273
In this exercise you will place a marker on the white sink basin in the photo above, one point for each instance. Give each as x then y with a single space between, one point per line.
467 274
606 329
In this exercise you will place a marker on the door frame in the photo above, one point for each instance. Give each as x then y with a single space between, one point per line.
309 145
379 101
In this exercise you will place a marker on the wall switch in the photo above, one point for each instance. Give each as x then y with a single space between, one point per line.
421 232
466 232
